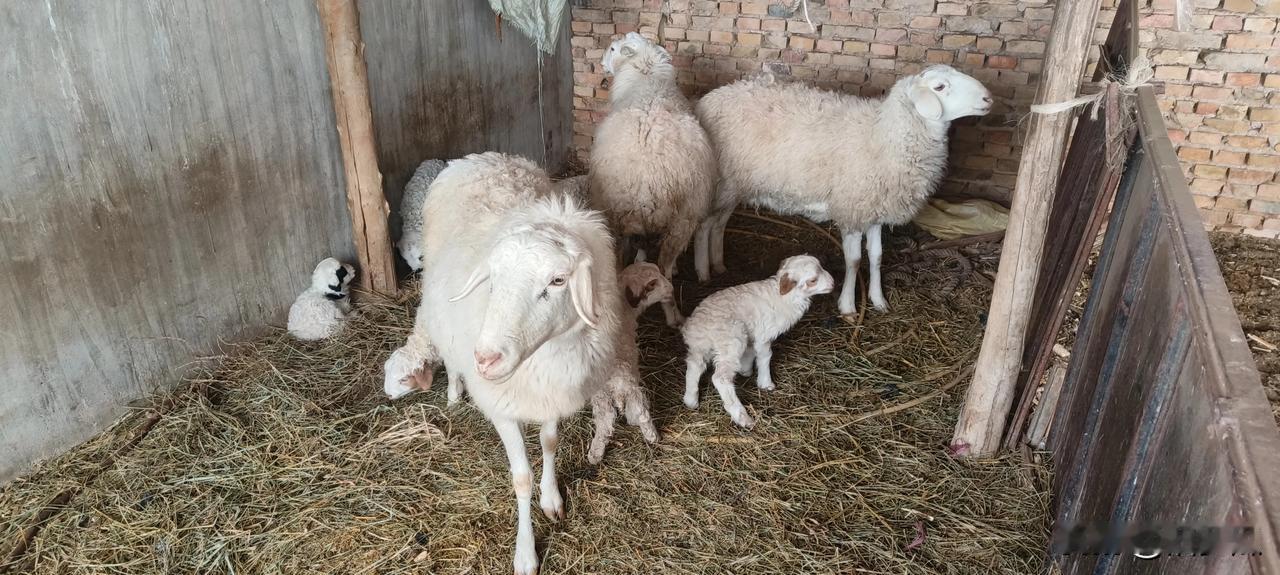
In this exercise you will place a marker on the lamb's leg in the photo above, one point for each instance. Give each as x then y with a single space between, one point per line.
726 367
636 406
526 555
548 491
674 242
764 353
409 367
455 387
874 249
717 240
747 361
852 255
669 309
702 250
603 415
696 365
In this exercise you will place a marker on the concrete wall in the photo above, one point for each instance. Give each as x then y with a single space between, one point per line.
171 174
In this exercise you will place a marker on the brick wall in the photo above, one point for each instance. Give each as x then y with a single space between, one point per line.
863 46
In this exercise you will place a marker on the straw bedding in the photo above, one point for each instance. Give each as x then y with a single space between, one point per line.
283 457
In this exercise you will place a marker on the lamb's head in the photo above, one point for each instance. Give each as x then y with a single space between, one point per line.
333 278
943 93
803 277
546 276
635 53
644 285
412 253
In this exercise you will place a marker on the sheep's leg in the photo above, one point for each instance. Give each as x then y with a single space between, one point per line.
702 250
726 367
674 242
696 366
409 367
548 491
764 353
669 309
747 361
852 256
874 249
526 555
603 415
717 240
636 406
455 387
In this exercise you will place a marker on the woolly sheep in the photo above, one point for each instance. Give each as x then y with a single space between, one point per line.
652 167
415 193
541 339
642 285
857 162
736 326
322 309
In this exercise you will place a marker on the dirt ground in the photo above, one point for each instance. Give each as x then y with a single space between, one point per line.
1251 267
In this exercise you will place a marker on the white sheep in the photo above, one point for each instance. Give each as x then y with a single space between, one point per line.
540 339
858 162
415 194
736 326
322 309
642 285
652 167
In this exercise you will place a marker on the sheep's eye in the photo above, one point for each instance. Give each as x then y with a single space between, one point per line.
813 281
557 281
939 87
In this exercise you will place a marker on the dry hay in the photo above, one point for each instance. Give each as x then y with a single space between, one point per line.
285 457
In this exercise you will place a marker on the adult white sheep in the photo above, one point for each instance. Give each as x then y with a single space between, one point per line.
540 339
652 168
415 194
858 162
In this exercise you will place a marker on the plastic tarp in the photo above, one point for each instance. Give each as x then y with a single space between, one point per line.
948 220
537 19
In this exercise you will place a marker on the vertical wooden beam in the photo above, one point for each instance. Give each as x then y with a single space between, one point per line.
344 53
986 407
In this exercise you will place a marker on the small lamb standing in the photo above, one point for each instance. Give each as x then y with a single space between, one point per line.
653 170
322 310
736 326
415 194
642 285
857 162
540 338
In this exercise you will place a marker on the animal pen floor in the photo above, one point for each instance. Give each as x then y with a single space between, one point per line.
282 457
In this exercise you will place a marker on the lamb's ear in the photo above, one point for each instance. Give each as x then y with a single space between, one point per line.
582 291
478 277
664 56
627 51
785 284
926 102
633 298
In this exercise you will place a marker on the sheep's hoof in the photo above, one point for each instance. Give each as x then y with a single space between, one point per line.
719 269
766 385
525 563
649 432
880 305
552 504
743 420
691 402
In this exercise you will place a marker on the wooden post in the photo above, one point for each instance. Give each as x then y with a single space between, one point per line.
344 53
986 406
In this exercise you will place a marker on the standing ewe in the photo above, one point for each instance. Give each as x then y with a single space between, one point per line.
642 285
735 326
539 340
833 157
321 310
653 170
415 194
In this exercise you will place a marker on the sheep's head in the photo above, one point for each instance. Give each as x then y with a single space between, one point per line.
542 278
634 51
943 93
333 278
644 285
412 254
803 276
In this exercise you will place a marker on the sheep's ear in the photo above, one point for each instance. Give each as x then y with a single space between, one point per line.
627 51
927 103
785 284
633 298
582 291
478 277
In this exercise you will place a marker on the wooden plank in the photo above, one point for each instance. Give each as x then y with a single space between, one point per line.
171 179
980 426
344 52
1043 417
1091 173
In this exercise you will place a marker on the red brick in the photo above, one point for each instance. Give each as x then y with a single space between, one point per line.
948 9
1209 171
1243 79
855 47
939 56
747 23
1228 157
829 45
957 40
1247 142
800 43
1248 41
973 60
1243 176
1228 23
892 35
1206 108
1264 161
729 8
773 25
1002 62
1171 72
883 50
757 8
1203 187
1206 76
1211 93
1264 114
1265 25
926 22
990 45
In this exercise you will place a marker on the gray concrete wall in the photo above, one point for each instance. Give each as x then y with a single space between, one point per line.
171 174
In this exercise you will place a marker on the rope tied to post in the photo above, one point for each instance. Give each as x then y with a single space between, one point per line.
1140 74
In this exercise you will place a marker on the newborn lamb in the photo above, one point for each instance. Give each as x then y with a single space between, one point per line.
321 310
735 326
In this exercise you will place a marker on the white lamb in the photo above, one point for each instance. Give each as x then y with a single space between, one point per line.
653 170
540 339
857 162
322 309
642 285
736 326
415 194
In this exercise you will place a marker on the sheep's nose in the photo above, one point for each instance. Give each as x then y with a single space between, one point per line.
986 99
484 361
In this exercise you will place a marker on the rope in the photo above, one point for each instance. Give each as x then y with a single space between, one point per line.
1140 74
